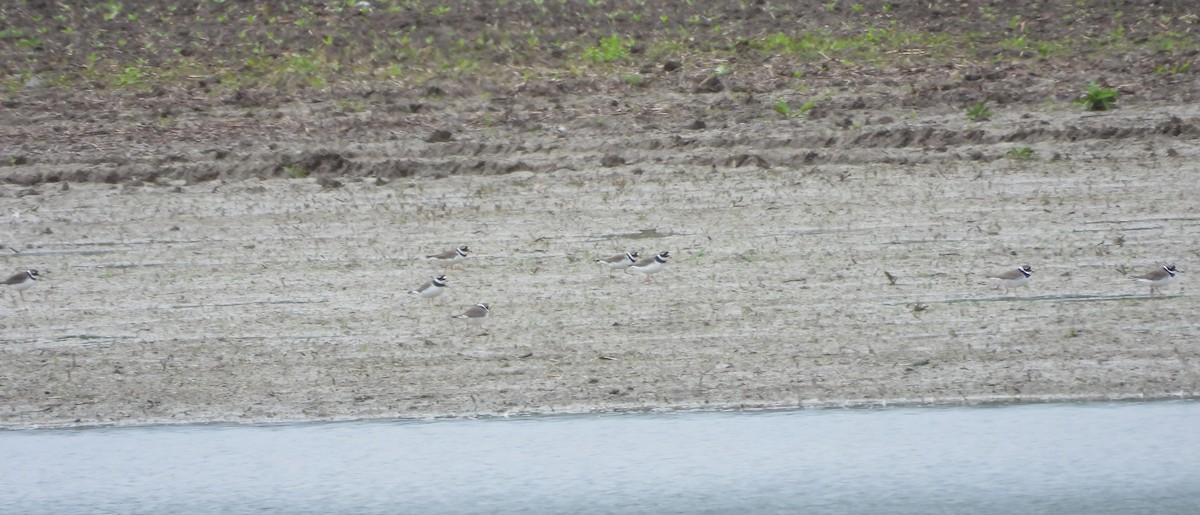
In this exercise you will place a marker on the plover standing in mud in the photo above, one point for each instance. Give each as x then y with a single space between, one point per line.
476 315
1013 279
1158 278
22 281
649 266
431 289
619 261
452 256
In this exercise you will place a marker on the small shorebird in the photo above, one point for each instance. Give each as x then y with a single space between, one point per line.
1013 279
452 256
475 315
619 261
1156 279
649 266
22 281
431 289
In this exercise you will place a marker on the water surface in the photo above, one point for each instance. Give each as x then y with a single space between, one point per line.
1050 458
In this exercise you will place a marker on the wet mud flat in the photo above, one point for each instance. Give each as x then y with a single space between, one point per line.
858 278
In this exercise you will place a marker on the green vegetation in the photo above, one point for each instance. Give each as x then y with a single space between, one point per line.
611 48
1172 69
285 45
979 112
783 108
1021 153
295 172
1097 98
873 45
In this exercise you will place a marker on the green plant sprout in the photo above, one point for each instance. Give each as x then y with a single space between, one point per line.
1097 98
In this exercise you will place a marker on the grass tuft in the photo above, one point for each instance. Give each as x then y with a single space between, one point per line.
1021 153
611 48
1097 98
979 112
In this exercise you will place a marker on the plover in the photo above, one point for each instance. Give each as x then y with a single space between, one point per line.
452 256
475 315
1156 279
619 261
651 265
1013 279
23 281
431 289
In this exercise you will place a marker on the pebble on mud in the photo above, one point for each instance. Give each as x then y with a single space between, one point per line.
440 136
611 160
712 84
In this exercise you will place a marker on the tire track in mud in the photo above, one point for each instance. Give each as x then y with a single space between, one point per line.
874 137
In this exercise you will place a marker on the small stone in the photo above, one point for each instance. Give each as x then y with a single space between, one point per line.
611 160
710 85
440 136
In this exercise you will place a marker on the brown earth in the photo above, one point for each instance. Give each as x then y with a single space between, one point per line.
244 255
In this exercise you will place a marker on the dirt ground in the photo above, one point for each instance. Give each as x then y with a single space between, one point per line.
249 261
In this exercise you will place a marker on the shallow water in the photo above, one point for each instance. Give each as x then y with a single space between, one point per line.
1049 458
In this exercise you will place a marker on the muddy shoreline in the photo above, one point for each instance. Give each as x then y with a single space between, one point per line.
227 251
284 299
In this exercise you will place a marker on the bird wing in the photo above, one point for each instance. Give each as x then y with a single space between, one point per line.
1153 276
1009 275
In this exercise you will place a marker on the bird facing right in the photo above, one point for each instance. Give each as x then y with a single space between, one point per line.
452 256
651 265
1158 278
23 281
1013 279
431 289
619 261
476 315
